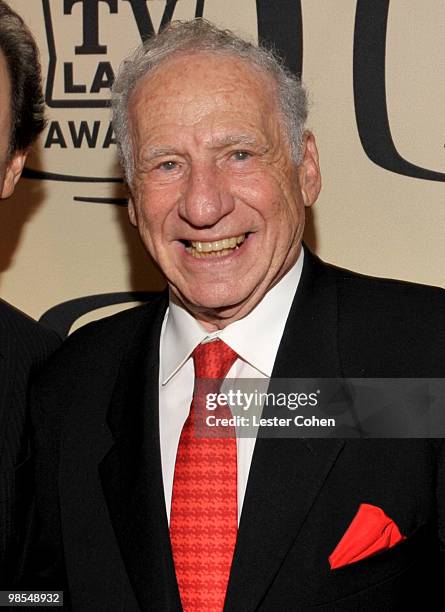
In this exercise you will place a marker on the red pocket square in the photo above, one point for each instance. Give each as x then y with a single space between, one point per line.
370 532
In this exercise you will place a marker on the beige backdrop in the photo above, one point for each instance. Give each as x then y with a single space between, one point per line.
55 248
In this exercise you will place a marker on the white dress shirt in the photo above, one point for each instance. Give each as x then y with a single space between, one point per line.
181 334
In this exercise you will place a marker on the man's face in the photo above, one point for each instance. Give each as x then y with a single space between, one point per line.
10 168
217 199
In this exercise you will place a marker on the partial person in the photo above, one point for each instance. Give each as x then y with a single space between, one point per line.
147 516
24 345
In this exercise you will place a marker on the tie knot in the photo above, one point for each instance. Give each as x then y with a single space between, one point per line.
213 359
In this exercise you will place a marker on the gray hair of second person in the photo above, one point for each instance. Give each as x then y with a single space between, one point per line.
22 58
199 35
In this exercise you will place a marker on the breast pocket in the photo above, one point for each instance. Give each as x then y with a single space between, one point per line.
403 571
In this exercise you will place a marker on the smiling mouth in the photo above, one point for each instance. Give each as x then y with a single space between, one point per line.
217 248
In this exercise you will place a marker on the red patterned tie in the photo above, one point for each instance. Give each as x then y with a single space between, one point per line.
203 521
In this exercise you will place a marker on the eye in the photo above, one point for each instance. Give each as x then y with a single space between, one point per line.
168 165
241 155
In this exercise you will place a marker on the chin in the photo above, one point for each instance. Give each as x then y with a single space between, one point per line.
224 307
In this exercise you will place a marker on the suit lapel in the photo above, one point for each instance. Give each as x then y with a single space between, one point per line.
131 474
286 475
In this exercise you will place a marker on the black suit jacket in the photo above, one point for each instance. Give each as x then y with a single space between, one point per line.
24 345
101 493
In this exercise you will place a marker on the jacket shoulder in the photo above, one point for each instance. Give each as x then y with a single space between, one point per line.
391 299
113 329
358 282
25 336
397 326
97 348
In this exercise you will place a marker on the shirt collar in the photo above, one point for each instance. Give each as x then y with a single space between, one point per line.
181 332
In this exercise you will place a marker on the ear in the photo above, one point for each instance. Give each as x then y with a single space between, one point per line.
12 173
132 212
309 170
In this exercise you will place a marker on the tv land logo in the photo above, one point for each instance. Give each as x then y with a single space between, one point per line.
87 39
89 88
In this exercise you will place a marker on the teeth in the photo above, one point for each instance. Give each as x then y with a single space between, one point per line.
199 255
218 248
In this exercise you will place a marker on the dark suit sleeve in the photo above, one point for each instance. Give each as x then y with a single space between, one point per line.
51 398
44 564
24 348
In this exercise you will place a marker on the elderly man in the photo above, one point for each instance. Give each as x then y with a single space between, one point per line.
23 344
150 516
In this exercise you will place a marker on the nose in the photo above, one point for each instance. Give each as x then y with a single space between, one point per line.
206 199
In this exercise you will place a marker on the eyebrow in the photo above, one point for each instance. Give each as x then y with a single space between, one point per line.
154 152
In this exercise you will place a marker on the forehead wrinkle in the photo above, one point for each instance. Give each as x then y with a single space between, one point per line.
230 127
173 83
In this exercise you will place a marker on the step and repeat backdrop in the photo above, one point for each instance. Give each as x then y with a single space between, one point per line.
375 73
